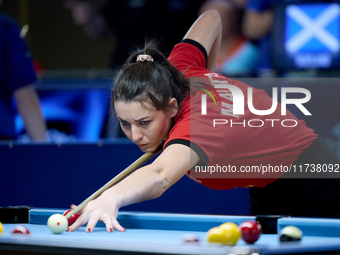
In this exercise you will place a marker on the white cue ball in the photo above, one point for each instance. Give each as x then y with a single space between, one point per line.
57 223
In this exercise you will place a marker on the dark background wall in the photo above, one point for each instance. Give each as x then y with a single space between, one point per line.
54 39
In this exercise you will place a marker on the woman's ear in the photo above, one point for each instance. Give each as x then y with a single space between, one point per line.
173 106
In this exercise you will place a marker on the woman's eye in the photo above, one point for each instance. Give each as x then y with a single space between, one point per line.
124 123
143 123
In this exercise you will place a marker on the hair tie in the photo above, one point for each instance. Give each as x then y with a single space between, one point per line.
142 58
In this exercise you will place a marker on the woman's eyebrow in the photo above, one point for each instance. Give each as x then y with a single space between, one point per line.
143 118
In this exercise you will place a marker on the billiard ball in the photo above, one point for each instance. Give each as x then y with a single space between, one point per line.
290 233
250 231
231 233
1 228
57 223
190 238
20 230
227 234
214 235
73 218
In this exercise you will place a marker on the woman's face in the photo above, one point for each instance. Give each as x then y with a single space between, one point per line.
144 124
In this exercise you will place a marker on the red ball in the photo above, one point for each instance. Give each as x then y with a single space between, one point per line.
250 231
73 218
20 230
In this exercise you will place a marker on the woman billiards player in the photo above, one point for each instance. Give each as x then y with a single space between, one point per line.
152 99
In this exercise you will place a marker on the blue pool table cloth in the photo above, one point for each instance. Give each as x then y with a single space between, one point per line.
162 233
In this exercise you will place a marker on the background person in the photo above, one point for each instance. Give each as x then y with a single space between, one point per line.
16 78
238 56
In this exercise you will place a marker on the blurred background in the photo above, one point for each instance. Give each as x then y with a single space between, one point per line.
72 69
77 47
54 39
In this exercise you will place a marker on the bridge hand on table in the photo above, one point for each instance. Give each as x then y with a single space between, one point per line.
100 209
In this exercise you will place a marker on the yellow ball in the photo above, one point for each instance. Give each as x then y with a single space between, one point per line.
231 233
214 235
226 234
1 228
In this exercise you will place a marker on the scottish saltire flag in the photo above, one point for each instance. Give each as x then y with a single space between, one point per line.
312 28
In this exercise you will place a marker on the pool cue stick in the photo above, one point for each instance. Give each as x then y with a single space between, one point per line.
127 171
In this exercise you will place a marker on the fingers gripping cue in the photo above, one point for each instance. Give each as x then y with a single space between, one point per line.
127 171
